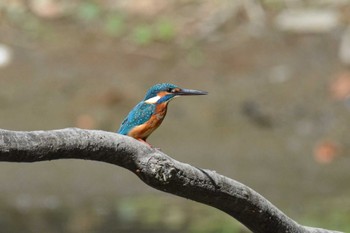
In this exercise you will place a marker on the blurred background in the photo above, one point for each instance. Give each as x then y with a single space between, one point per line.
276 117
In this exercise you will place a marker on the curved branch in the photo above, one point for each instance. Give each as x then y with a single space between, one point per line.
155 169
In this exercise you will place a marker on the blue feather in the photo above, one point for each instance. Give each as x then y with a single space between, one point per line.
141 113
153 91
165 98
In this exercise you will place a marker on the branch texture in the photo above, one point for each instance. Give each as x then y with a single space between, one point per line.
155 169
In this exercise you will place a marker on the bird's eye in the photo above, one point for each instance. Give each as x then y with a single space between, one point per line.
169 90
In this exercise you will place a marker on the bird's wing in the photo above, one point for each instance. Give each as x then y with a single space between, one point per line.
138 115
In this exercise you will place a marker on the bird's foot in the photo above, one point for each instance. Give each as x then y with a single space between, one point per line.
156 148
143 141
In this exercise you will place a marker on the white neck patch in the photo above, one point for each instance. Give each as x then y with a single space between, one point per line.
153 100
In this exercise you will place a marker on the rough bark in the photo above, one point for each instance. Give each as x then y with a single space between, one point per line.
155 169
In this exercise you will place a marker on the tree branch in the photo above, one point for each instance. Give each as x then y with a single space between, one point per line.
155 169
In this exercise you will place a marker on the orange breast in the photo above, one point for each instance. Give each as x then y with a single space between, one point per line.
144 130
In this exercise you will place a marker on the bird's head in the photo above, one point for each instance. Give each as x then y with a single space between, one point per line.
164 92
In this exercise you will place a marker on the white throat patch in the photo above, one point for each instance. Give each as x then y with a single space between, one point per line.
153 100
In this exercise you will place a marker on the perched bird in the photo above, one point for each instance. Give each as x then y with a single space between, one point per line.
147 115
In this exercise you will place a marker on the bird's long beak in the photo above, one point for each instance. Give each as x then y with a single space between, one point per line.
183 91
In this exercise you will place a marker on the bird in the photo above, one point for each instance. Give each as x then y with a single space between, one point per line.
147 115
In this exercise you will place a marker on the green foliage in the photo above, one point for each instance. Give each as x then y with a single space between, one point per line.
127 211
165 30
114 25
161 30
143 34
35 28
88 11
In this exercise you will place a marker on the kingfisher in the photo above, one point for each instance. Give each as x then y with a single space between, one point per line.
147 115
